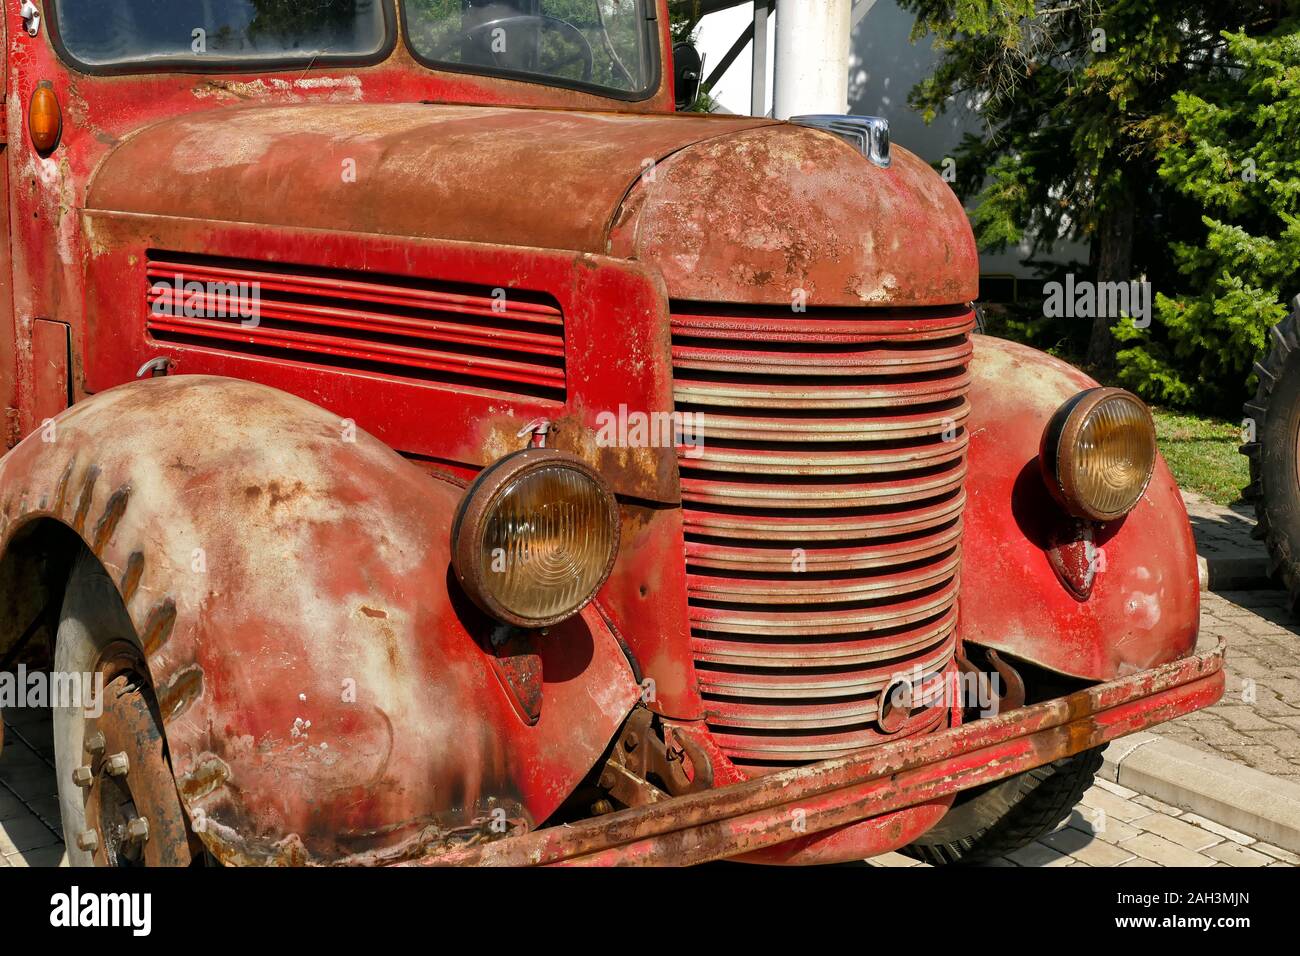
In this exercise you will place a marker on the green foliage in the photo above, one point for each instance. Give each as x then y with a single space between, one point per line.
1024 321
1237 158
1202 453
1124 124
1076 98
612 29
684 19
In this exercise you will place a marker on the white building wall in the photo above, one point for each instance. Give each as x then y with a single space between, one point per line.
718 31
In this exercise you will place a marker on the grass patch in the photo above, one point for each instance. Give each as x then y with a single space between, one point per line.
1202 454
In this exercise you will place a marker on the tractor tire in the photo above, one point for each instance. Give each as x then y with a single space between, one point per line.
992 821
1274 453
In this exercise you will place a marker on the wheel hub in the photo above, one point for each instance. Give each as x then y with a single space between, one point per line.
133 813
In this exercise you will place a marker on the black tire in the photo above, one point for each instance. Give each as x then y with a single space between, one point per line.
1274 487
94 627
1001 818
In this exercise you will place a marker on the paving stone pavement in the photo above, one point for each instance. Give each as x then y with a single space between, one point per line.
1115 826
30 831
1258 721
1222 532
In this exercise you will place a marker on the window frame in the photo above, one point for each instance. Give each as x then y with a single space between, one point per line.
211 64
654 65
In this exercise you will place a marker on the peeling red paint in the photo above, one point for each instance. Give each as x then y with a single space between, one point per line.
327 695
1144 607
318 709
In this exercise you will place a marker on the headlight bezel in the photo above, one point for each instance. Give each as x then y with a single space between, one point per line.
1061 443
476 510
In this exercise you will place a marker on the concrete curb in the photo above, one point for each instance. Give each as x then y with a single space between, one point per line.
1234 574
1259 805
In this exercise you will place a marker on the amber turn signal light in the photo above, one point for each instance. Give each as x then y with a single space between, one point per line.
45 118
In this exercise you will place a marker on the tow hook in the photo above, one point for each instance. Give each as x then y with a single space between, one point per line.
1006 694
1013 684
641 755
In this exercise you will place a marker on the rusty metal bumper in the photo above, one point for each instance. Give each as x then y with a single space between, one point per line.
770 810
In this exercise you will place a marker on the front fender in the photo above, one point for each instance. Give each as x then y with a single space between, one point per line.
1145 603
326 695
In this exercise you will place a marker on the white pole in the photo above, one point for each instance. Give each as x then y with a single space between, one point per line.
758 87
812 57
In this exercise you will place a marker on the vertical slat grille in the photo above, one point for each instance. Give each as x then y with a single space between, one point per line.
823 517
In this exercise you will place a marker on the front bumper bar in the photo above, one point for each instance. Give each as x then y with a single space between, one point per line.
772 809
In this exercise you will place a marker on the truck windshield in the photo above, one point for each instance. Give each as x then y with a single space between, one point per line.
606 45
121 33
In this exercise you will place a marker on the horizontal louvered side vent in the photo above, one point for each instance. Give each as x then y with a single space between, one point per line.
414 329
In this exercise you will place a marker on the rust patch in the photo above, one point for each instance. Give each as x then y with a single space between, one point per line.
391 649
131 576
113 512
84 497
61 491
208 775
1083 735
280 494
374 612
1078 705
158 628
179 694
521 677
750 217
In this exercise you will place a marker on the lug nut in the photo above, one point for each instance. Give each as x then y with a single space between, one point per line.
117 765
137 831
95 744
83 776
88 841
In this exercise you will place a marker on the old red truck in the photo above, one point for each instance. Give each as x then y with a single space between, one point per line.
441 450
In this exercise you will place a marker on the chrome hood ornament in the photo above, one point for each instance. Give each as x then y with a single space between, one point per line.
870 134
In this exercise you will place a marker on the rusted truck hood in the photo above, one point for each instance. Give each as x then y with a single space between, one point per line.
729 208
524 177
785 215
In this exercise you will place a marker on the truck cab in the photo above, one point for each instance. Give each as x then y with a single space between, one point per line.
422 435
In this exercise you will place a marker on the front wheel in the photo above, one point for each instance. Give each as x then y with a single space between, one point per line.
117 795
1000 818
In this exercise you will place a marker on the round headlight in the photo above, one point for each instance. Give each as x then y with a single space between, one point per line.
1098 453
535 537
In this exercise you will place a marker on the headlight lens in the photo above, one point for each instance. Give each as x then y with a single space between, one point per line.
535 538
1098 453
